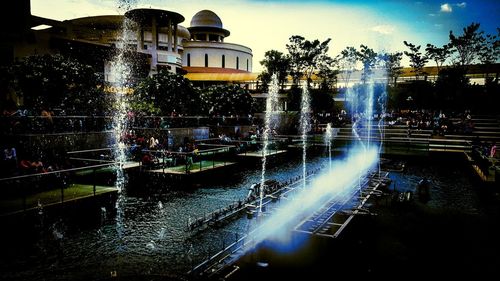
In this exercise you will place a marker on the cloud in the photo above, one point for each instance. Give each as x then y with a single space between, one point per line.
446 8
461 5
384 29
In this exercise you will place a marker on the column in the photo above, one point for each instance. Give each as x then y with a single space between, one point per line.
140 39
169 40
154 52
176 49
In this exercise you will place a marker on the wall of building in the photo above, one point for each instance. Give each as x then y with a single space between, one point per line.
214 50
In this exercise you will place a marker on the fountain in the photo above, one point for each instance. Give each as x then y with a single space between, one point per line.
330 133
304 127
369 111
120 74
347 174
269 125
120 77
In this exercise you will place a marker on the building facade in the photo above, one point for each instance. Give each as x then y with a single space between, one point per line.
157 37
206 51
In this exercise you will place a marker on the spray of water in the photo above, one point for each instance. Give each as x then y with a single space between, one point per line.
382 102
369 111
305 120
328 142
335 183
269 125
120 76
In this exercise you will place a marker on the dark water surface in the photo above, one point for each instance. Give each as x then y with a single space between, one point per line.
147 236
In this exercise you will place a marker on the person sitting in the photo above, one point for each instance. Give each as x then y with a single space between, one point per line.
9 160
493 150
25 166
153 143
147 160
37 166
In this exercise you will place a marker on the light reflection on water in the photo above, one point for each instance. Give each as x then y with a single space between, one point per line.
450 187
153 240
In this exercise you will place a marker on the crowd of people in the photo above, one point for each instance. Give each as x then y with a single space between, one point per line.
439 122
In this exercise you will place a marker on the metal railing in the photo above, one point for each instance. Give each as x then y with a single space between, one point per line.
31 191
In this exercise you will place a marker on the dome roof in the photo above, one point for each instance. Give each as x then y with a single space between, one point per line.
183 32
206 18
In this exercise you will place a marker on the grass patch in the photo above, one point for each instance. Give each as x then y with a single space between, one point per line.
196 166
72 192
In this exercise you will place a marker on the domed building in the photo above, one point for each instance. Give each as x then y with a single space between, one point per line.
207 52
159 42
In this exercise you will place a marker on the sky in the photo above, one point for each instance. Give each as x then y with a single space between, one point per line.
265 25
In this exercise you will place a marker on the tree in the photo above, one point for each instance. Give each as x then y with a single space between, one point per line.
165 93
438 55
346 62
305 56
452 87
327 74
368 59
275 62
321 100
417 59
467 46
227 100
490 52
54 81
391 63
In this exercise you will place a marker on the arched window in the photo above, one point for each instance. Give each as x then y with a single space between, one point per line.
206 60
237 63
188 59
223 61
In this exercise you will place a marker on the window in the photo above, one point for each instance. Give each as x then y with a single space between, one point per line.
223 61
188 59
237 63
247 64
206 60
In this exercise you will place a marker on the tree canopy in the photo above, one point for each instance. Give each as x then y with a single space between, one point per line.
166 93
226 100
306 56
275 62
417 59
55 81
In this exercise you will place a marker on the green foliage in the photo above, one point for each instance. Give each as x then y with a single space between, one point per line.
346 61
490 51
391 62
327 74
468 45
321 100
368 59
417 59
274 62
294 98
226 100
54 81
438 55
452 88
306 56
165 93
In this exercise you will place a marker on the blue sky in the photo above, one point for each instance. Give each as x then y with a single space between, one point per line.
267 24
